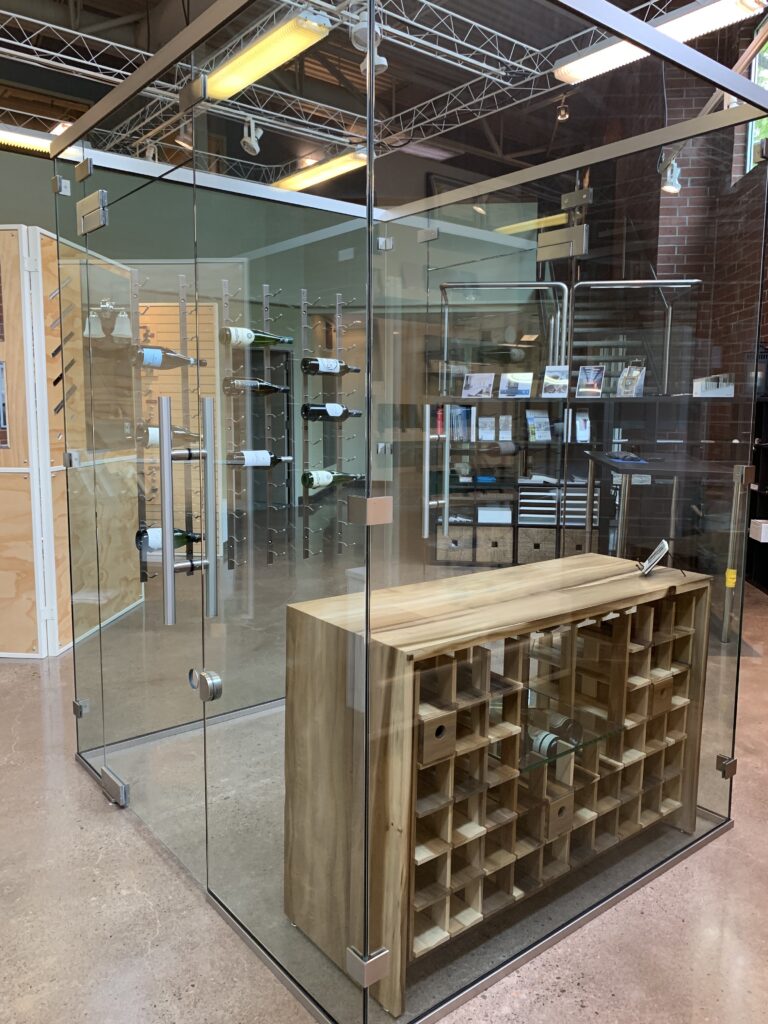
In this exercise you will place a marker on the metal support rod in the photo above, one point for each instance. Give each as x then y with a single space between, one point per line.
426 472
166 510
211 549
447 472
667 348
623 516
671 536
741 476
590 504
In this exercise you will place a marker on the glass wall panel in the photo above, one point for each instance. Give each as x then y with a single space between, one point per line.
549 416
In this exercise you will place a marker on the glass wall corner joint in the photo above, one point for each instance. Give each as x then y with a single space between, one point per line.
80 707
726 765
367 970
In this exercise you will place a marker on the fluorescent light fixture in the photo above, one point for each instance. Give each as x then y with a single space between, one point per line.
428 150
689 22
323 171
61 127
19 139
553 221
267 52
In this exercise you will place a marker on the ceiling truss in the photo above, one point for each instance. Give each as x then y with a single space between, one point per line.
503 73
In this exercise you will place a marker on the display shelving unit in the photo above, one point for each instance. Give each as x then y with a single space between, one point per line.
550 714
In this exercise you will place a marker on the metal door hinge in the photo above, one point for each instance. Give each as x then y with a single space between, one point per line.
367 970
208 684
92 212
81 707
31 265
115 790
573 200
726 765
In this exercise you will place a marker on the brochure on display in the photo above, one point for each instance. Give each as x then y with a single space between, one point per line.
631 382
555 382
515 385
590 382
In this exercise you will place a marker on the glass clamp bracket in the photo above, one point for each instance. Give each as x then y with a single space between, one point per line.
367 970
115 790
726 765
81 707
92 212
378 511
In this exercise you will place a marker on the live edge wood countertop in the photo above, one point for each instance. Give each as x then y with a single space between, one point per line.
421 619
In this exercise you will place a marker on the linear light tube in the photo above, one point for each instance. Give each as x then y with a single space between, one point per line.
690 22
554 220
20 138
271 50
323 171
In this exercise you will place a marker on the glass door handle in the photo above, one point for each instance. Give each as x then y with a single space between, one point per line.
166 510
425 473
447 472
209 510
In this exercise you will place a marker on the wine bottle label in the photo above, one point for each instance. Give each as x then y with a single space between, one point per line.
256 458
154 538
321 478
329 365
334 410
240 335
153 357
153 437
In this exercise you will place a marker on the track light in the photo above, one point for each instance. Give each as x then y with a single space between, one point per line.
380 64
689 22
671 180
323 171
250 141
563 113
269 51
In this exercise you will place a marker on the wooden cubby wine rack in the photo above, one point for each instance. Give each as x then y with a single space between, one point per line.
521 722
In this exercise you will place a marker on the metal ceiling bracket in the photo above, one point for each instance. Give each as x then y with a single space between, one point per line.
726 765
84 169
193 93
367 970
607 16
574 200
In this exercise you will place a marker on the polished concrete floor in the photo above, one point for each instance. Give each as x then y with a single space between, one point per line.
99 923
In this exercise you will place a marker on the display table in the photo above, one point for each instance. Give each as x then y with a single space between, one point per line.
520 721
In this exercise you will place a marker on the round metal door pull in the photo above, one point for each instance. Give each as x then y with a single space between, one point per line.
208 684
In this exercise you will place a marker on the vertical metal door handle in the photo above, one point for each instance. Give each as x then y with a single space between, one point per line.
209 510
447 471
166 510
426 472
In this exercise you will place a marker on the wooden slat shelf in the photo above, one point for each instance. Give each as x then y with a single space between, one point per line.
476 819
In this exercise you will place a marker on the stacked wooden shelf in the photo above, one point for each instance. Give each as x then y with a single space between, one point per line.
521 722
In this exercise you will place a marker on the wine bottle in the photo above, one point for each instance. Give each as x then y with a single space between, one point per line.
152 357
258 459
330 411
241 385
150 538
148 436
326 477
319 366
240 337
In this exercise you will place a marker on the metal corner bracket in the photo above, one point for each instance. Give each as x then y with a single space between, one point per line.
80 706
115 790
726 765
367 970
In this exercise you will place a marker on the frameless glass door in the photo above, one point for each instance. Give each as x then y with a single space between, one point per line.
131 392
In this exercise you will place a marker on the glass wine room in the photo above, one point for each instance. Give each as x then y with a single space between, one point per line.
408 464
